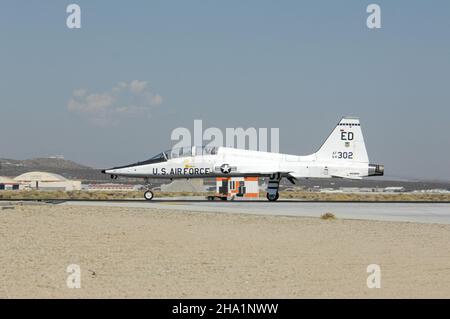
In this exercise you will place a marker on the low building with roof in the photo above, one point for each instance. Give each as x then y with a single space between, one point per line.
47 181
7 183
394 189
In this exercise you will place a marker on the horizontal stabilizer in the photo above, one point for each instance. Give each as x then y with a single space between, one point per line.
348 176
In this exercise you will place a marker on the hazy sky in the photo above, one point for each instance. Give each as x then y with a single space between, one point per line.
112 92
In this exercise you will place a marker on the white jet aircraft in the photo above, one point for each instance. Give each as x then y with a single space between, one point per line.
343 155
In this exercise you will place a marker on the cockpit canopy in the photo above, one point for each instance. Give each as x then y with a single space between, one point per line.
185 152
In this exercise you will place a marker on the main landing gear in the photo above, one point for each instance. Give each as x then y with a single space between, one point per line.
272 197
272 187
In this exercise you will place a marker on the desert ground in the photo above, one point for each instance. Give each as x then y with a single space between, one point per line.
151 253
300 195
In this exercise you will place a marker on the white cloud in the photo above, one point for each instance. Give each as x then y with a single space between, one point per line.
92 103
98 102
153 99
124 99
137 86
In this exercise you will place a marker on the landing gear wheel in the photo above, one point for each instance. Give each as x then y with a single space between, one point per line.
272 197
148 195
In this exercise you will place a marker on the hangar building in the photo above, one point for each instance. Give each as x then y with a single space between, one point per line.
47 181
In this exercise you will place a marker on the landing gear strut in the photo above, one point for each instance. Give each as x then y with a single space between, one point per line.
148 195
272 187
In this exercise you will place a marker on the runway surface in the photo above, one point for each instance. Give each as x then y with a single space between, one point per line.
384 211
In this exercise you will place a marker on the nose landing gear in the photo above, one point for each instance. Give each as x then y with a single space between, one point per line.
148 195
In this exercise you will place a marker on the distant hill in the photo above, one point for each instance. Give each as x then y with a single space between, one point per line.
66 168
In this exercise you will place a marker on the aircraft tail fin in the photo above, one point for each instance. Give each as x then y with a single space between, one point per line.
345 143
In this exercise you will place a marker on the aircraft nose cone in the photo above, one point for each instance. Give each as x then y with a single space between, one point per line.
103 171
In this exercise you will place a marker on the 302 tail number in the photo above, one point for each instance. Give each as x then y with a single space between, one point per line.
343 155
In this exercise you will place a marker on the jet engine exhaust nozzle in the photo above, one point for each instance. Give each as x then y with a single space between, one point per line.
376 170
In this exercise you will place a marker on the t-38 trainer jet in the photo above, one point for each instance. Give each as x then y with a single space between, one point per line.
343 155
